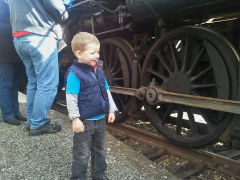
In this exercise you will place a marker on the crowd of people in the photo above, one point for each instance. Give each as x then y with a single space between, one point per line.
34 33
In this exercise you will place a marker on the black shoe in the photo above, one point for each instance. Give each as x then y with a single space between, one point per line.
20 117
47 128
28 127
102 178
13 121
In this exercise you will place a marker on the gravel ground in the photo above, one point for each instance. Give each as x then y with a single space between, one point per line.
49 156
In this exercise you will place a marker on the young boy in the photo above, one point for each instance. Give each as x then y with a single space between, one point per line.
88 100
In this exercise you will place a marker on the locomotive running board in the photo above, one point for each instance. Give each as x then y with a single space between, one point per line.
154 94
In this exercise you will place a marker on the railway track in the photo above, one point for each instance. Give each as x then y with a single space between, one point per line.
221 162
201 158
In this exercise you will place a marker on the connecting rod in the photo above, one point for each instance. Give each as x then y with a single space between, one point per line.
155 94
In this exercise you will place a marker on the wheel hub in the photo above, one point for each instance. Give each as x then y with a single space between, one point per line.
178 82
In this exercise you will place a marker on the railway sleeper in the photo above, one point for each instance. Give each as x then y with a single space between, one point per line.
155 153
188 170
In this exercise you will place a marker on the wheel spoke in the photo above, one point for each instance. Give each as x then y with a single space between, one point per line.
205 71
196 60
116 60
115 84
119 101
200 86
194 93
192 122
166 115
104 56
156 74
111 48
185 58
174 56
210 125
179 122
163 61
206 126
114 73
117 79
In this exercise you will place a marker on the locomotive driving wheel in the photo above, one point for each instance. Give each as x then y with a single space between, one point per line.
117 55
191 60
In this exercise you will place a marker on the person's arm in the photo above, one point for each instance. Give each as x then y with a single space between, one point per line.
72 105
57 9
5 26
72 90
112 105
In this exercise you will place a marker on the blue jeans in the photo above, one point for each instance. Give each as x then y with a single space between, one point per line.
40 57
10 77
92 140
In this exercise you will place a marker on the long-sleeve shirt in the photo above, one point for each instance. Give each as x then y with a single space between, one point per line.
35 16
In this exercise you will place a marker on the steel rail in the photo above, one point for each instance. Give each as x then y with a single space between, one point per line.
201 157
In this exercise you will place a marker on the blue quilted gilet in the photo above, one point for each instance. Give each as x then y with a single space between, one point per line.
92 97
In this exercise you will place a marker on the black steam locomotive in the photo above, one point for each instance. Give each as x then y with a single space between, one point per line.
178 58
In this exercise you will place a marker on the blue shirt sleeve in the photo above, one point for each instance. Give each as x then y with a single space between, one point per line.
68 3
73 84
106 84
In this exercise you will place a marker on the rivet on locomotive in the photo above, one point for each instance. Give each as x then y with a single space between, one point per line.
164 52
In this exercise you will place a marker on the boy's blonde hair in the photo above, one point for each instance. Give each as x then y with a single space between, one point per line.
81 40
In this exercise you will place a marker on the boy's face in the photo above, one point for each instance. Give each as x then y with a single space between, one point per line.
90 55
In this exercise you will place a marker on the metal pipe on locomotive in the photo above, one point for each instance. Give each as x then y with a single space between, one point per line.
185 48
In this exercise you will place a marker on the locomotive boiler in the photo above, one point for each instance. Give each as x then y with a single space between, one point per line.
175 61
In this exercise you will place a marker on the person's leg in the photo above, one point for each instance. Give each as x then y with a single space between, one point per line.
81 152
6 83
46 67
17 77
44 62
19 72
98 154
31 89
21 46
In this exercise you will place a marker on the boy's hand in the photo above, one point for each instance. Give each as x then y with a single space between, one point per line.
77 125
111 117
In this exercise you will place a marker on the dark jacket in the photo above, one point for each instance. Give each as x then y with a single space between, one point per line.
7 51
37 16
92 97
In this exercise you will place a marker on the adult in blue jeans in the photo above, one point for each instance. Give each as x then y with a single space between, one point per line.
11 71
35 40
